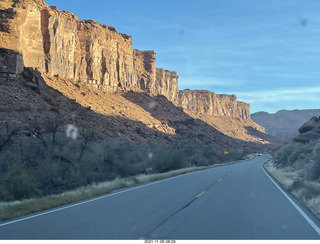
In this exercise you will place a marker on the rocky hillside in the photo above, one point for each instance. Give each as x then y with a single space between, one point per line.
284 123
89 74
297 165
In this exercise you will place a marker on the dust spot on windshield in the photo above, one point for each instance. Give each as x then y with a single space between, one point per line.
71 132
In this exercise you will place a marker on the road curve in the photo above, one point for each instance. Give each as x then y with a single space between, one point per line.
237 201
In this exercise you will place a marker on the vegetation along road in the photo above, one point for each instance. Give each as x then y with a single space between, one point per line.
238 201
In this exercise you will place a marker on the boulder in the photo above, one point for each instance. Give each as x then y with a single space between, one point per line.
309 131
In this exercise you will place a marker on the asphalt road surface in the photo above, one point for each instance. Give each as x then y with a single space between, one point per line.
238 201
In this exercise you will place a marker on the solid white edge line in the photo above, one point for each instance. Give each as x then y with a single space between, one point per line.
91 200
304 215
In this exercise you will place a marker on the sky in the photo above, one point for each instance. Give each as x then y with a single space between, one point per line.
266 52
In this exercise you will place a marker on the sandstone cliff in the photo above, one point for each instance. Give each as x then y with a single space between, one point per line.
30 100
144 64
74 54
59 44
167 84
209 103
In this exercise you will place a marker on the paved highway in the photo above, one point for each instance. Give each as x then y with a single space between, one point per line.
231 202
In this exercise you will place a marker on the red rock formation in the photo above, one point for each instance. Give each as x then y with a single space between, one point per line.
209 103
145 69
167 84
59 44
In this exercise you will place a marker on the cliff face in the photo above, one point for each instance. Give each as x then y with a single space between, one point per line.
209 103
21 30
11 63
144 63
167 84
59 44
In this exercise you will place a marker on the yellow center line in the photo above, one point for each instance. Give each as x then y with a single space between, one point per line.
200 194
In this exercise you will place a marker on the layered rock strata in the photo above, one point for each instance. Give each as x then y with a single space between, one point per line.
59 44
144 64
167 84
209 103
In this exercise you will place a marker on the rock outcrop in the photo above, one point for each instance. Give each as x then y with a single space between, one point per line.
167 84
144 63
309 131
209 103
59 44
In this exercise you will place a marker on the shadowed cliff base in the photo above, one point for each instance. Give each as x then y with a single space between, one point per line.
188 125
58 138
134 116
83 59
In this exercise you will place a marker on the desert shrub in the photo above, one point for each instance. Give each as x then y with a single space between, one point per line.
201 155
169 159
234 155
306 189
51 162
300 156
17 184
283 156
52 176
314 173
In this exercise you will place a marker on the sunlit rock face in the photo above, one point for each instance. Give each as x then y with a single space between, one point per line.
59 44
167 84
144 63
209 103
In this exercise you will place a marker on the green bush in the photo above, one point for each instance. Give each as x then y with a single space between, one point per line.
43 160
169 159
17 184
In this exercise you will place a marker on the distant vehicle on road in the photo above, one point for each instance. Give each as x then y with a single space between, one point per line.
259 154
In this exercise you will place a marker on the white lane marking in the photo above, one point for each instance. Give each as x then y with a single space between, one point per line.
200 194
304 215
94 199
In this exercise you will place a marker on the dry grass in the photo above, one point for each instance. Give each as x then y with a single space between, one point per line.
285 176
307 192
9 210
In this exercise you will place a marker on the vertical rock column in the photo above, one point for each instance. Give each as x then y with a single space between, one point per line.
144 63
167 84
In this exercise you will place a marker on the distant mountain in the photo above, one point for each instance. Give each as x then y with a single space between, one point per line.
284 123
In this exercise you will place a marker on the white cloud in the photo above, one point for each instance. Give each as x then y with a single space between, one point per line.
281 95
206 82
